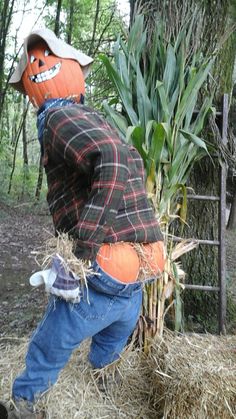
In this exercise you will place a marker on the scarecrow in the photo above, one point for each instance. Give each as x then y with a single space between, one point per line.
96 194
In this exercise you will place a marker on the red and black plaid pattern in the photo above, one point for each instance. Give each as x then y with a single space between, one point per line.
95 182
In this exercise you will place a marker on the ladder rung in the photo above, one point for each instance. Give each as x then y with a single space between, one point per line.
218 113
201 287
209 242
204 197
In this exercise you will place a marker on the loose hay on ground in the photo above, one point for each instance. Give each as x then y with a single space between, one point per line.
182 377
76 394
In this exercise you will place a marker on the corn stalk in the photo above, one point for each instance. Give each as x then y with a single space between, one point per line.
158 90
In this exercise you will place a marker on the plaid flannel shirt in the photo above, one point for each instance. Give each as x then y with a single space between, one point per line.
95 182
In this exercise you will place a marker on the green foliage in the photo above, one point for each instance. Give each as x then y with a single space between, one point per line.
23 183
158 89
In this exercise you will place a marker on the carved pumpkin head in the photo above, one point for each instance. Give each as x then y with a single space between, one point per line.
47 76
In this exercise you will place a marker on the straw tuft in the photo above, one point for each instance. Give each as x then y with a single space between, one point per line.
63 245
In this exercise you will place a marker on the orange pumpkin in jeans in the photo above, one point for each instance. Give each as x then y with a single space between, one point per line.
122 261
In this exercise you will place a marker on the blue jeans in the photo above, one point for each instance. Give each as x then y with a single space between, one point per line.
108 312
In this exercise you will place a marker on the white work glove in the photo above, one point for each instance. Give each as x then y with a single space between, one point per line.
58 281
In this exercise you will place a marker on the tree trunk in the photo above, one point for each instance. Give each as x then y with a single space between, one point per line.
24 135
40 180
57 20
18 134
201 265
70 21
132 8
232 215
6 9
91 47
25 151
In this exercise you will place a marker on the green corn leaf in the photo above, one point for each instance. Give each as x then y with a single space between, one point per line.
198 124
157 144
178 163
155 102
180 39
129 133
130 59
161 49
164 100
153 60
124 93
137 37
151 178
173 101
169 191
149 127
118 120
192 91
181 61
143 101
136 136
195 139
123 69
189 113
116 51
170 68
188 28
131 62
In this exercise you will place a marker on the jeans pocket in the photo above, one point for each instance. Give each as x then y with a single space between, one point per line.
94 305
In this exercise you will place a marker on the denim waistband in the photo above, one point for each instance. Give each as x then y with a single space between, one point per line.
102 282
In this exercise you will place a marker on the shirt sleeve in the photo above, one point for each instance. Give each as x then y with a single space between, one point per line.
95 151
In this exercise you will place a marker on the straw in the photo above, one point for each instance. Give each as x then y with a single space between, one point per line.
182 377
63 245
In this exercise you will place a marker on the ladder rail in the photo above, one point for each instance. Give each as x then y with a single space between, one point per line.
220 243
222 223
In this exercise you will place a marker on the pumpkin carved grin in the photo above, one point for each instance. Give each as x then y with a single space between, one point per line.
46 75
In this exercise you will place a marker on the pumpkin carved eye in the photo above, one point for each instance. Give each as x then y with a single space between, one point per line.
32 59
47 52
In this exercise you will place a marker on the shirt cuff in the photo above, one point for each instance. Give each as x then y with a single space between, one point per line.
86 250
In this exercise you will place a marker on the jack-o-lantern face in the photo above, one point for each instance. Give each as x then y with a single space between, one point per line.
49 77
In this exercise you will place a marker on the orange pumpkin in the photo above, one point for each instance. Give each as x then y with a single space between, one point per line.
49 77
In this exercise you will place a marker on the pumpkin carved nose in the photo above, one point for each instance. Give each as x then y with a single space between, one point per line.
41 63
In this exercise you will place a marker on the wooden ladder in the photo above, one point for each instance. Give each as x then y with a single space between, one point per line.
221 242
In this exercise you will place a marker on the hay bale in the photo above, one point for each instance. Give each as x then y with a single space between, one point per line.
194 376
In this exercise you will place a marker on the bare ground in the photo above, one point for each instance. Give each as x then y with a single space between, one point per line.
21 305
